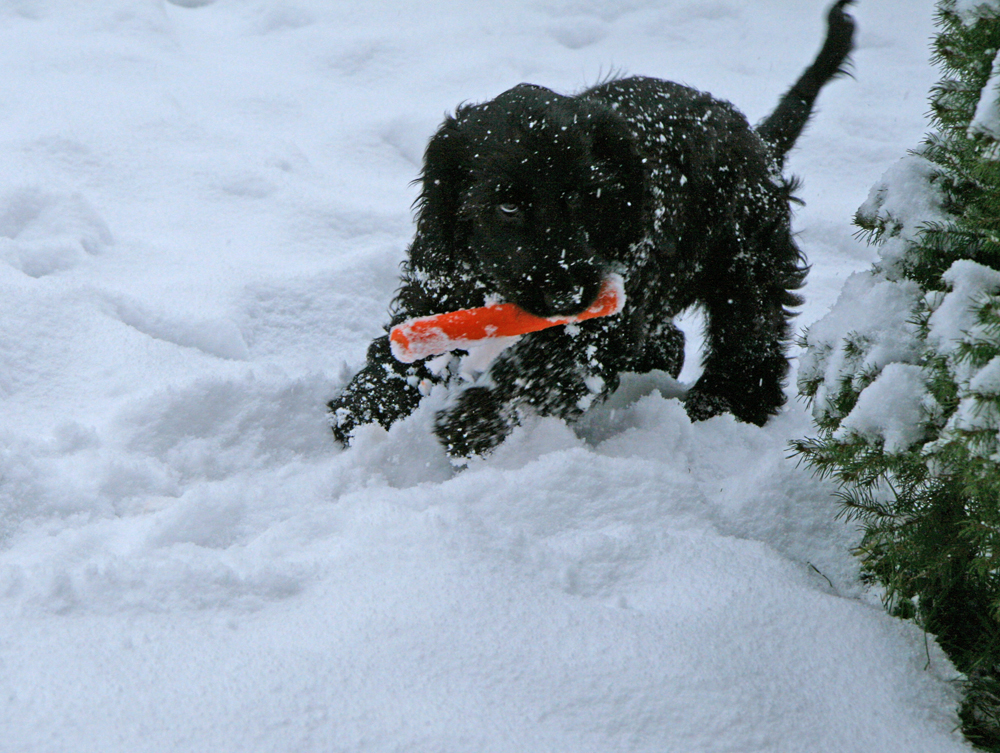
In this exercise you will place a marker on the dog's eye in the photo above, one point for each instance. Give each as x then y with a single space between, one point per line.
508 210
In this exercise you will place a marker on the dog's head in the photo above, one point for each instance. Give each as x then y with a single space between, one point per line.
539 192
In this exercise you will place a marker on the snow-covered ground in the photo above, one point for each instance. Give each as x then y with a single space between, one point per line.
202 210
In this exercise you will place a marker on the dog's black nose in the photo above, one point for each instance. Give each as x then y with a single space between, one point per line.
559 290
568 295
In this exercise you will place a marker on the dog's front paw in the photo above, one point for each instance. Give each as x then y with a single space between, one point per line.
701 405
380 393
754 408
476 424
343 422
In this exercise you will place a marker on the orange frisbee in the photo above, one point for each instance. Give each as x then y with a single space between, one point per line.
427 336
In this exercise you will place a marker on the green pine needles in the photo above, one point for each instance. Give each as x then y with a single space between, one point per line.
903 374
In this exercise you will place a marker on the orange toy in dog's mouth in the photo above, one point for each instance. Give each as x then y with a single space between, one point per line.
427 336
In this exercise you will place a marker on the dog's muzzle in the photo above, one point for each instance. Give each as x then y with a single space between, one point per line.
566 292
566 302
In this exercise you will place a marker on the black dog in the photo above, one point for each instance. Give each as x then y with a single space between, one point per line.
534 197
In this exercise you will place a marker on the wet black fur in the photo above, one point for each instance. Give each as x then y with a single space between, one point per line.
533 197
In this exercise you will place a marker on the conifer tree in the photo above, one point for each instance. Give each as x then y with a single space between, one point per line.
903 374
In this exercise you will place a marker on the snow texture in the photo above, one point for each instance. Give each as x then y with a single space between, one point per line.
904 200
871 325
954 322
986 120
867 328
889 409
971 11
203 206
953 316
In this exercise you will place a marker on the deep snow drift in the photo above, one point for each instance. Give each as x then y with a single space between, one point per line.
202 210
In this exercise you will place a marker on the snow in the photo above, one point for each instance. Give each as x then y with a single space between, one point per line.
986 119
890 408
872 324
954 313
203 206
971 11
904 200
872 314
955 321
976 414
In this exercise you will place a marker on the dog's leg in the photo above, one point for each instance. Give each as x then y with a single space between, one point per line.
748 330
745 363
551 373
663 350
479 419
384 391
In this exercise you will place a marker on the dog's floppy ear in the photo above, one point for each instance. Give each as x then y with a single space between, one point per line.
615 146
620 205
443 181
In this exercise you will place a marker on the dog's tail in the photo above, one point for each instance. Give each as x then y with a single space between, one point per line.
782 127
